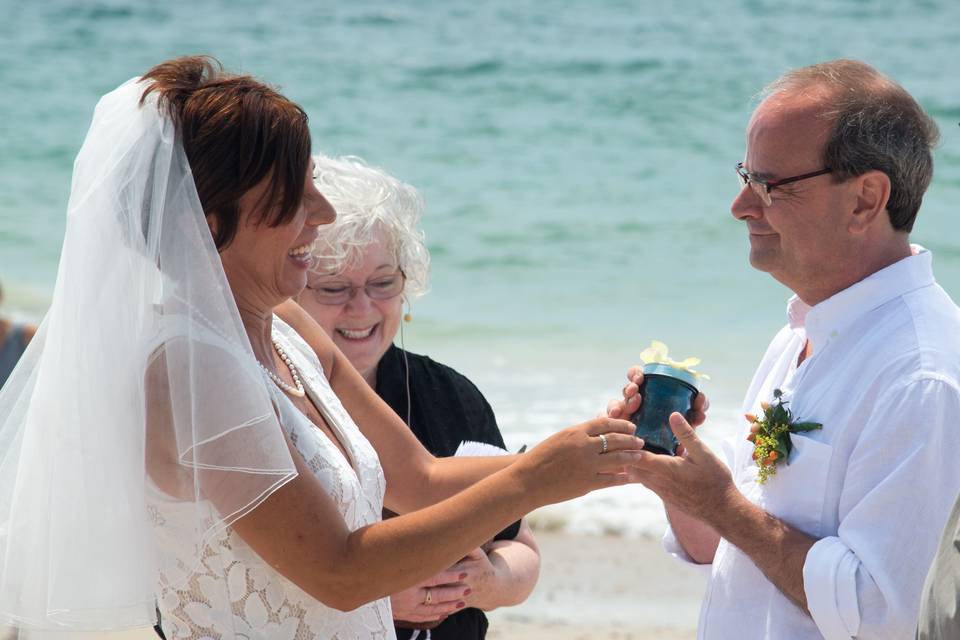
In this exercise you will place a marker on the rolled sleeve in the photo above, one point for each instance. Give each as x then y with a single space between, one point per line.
830 584
866 581
673 547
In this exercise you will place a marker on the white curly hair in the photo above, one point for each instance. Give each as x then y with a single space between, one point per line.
370 204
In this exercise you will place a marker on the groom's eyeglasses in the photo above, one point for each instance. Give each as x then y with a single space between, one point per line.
336 292
763 187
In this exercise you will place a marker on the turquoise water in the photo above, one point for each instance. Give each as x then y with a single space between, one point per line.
577 158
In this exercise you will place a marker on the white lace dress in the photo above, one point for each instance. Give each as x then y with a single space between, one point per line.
234 593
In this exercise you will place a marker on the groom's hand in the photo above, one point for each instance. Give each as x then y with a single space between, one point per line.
697 482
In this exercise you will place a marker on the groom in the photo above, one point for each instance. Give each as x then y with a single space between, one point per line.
837 542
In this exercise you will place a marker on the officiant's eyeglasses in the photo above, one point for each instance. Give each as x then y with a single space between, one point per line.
336 292
763 187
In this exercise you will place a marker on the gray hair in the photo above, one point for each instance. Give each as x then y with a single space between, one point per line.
370 203
877 125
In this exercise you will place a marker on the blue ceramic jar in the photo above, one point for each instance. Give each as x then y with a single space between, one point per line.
665 389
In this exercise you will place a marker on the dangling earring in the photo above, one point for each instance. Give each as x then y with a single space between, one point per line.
407 317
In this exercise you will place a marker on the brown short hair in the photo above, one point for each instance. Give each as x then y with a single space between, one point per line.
236 132
877 125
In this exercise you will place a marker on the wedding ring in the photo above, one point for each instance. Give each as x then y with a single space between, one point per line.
429 597
603 444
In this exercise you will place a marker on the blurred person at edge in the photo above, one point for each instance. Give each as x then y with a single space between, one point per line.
837 543
173 444
14 337
367 264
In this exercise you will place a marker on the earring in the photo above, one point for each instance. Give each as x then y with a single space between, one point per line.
407 317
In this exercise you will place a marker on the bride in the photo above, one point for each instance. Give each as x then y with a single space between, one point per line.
169 445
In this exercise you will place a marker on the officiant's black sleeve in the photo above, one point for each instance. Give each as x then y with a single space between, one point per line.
444 408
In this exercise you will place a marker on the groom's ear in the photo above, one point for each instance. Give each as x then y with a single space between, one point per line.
871 192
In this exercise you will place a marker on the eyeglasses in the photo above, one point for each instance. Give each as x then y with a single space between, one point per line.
336 292
763 187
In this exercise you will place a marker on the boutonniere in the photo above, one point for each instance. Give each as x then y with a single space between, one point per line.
770 435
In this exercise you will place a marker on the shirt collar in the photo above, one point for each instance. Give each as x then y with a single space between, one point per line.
830 317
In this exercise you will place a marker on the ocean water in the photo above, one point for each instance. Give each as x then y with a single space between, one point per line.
576 157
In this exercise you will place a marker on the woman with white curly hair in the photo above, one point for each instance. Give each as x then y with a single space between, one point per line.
367 263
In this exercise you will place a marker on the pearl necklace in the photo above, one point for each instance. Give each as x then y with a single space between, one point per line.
296 391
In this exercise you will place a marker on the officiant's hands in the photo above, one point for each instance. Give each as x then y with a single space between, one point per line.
447 594
482 575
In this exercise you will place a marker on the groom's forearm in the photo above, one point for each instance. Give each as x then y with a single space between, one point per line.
777 549
698 539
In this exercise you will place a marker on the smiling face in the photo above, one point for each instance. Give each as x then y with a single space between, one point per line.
267 265
802 238
363 327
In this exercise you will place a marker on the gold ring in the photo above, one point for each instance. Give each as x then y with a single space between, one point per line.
429 597
604 446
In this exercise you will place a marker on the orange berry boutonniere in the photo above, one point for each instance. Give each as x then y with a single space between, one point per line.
770 435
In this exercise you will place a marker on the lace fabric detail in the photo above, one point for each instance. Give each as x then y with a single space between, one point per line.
233 593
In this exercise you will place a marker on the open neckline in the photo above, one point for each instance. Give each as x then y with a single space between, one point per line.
346 452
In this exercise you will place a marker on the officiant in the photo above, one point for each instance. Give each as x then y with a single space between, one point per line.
368 264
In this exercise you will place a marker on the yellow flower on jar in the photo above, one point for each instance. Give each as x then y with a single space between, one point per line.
658 353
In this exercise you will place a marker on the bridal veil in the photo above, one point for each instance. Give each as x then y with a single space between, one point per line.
139 392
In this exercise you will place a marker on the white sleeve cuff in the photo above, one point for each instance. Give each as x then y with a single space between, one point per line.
672 546
830 584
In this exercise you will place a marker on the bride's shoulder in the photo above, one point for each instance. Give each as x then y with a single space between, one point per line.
308 330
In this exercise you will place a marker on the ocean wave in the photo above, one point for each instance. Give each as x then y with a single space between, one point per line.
599 67
521 69
465 70
376 19
938 110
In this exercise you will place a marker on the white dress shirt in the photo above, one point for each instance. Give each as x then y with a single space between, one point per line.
875 485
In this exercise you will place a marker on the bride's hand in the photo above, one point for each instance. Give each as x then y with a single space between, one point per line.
572 462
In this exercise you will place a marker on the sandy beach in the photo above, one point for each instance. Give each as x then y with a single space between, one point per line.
593 587
604 587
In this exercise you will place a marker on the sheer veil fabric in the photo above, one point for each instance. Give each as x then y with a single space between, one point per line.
140 391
